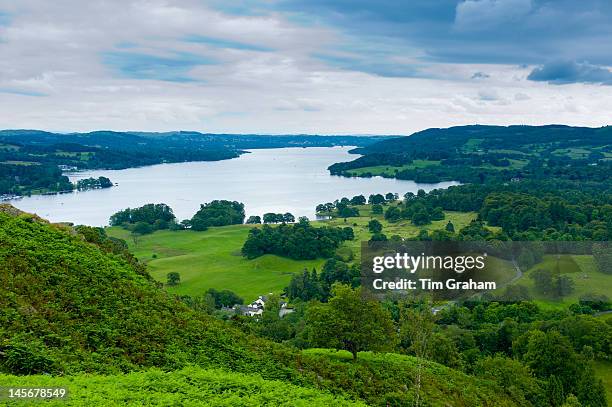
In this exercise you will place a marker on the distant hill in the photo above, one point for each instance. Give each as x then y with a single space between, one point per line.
479 154
69 306
486 138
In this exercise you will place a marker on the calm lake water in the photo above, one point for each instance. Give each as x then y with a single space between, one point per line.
277 180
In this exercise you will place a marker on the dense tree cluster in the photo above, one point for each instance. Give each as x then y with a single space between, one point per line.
93 183
224 298
416 208
548 217
218 213
297 241
145 219
310 285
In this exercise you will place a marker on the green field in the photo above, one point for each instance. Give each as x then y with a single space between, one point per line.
581 269
390 170
212 259
604 371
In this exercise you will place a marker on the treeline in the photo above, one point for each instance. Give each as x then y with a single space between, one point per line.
298 241
28 178
271 218
417 208
346 208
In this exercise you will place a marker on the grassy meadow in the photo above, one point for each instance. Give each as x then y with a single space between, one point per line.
212 259
580 268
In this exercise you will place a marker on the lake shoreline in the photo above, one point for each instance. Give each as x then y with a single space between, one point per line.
291 179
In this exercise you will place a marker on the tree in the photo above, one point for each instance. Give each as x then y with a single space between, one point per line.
421 217
149 213
551 354
224 298
563 286
378 237
374 226
142 228
173 278
542 280
253 220
393 214
416 327
358 200
350 321
218 213
571 401
390 196
603 256
288 218
376 199
269 217
513 376
345 211
377 209
450 227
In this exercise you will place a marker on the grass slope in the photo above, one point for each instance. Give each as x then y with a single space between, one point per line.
191 386
212 259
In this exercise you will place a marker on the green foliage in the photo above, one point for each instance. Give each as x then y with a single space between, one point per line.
93 183
513 376
173 278
69 306
144 220
312 286
252 220
374 226
351 322
224 298
218 213
16 179
190 386
377 209
299 241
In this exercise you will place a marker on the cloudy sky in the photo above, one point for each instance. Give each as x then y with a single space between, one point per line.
303 66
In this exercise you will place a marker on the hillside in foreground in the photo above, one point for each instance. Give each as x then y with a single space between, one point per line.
69 307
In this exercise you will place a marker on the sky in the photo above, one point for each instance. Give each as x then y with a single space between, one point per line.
303 66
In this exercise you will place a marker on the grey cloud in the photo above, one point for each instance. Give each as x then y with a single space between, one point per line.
566 72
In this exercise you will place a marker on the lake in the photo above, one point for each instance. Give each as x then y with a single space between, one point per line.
271 180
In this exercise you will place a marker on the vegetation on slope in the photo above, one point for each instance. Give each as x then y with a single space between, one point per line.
67 306
191 386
